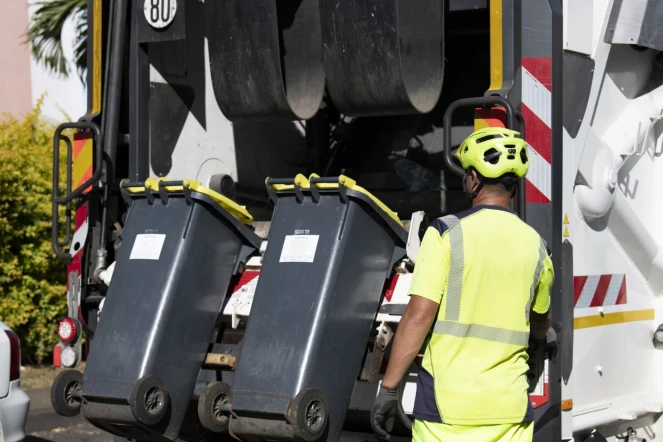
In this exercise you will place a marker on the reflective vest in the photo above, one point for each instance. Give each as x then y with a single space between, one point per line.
486 269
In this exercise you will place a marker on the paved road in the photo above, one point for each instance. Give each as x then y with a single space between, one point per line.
45 425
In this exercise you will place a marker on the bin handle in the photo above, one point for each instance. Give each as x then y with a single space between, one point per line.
154 184
296 184
163 186
315 183
348 183
283 184
324 183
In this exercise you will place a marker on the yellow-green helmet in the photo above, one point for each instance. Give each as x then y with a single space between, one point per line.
493 152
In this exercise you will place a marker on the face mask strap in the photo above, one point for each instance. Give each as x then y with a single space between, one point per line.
515 189
472 195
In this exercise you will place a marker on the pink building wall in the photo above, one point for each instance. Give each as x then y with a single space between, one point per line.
15 87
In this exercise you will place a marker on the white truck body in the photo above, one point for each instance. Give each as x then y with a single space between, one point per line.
610 214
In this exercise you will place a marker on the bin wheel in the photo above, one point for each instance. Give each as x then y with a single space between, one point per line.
210 407
66 393
308 415
148 400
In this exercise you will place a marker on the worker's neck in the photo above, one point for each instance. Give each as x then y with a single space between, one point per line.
491 200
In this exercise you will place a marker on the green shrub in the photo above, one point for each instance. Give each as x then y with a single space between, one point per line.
32 278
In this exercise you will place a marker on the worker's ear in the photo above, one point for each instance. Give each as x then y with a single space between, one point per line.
473 181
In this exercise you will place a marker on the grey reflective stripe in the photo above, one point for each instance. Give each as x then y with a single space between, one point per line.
543 252
484 332
449 220
456 271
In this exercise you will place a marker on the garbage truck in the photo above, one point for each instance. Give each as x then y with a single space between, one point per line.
242 205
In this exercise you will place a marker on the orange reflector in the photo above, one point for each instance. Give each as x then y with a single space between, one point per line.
57 351
567 404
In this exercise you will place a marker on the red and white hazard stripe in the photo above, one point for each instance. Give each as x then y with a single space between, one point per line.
536 110
599 290
541 393
241 296
78 240
243 289
395 293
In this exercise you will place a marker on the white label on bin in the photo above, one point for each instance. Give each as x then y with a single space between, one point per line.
299 248
148 246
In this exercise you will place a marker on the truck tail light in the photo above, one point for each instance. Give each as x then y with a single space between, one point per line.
15 356
67 330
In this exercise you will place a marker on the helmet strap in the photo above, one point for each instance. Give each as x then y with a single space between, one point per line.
472 195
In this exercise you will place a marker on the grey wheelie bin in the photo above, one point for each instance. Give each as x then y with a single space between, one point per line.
331 247
181 244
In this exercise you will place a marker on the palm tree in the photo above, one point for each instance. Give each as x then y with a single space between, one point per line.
45 35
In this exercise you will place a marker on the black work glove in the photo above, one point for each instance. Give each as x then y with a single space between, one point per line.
535 362
384 413
552 342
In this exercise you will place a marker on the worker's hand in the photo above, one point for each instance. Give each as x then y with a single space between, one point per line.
384 413
552 342
535 363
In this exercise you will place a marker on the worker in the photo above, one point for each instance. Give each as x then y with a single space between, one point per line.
482 284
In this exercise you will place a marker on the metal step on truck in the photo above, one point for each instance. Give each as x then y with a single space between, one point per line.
242 205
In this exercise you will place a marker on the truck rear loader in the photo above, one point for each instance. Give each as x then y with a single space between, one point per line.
244 200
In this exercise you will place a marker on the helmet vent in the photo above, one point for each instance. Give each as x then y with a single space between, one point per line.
523 156
492 156
488 138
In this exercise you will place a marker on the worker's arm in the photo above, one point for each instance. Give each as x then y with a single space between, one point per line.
410 335
428 283
541 313
539 324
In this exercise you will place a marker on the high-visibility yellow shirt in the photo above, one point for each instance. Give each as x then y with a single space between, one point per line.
486 269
